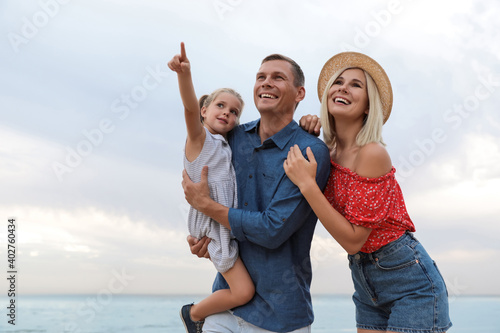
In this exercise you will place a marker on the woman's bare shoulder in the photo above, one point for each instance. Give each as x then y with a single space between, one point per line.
373 161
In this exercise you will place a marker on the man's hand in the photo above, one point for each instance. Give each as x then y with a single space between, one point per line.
180 63
310 124
197 194
199 247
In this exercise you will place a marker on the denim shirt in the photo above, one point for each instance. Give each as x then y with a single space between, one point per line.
274 226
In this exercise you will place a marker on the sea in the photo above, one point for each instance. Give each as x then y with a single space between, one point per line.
106 313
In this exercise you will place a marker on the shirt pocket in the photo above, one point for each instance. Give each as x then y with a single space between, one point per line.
267 182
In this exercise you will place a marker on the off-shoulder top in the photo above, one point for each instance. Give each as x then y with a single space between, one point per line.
375 203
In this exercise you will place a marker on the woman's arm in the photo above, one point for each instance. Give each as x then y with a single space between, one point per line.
302 173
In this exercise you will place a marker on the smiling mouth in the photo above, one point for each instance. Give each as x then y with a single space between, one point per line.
342 101
268 96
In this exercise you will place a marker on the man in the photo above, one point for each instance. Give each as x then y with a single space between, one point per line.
273 224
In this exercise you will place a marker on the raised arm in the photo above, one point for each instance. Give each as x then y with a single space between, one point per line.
181 65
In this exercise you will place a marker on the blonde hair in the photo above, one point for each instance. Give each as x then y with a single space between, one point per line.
206 100
372 124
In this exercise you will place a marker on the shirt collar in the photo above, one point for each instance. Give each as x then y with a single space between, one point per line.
280 139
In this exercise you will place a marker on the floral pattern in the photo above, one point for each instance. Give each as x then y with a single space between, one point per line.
375 203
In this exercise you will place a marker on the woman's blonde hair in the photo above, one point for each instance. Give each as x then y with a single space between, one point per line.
372 124
206 100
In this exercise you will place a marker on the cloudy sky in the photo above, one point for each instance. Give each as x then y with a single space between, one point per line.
92 131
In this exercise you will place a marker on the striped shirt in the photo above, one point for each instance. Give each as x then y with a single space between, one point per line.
216 154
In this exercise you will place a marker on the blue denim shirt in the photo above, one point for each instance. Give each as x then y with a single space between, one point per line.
274 226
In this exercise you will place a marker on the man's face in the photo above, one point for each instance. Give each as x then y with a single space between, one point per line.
274 90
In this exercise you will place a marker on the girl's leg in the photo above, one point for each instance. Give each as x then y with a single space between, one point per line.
241 291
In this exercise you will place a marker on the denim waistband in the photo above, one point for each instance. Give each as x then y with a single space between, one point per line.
406 239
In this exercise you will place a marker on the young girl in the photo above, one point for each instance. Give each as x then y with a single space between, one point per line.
206 145
398 287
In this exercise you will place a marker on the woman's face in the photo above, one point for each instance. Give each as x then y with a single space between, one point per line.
348 96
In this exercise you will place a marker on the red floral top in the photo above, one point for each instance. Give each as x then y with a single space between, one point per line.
375 203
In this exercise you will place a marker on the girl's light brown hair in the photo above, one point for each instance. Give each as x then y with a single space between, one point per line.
206 100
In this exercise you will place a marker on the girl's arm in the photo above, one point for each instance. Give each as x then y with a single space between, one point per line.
195 133
303 173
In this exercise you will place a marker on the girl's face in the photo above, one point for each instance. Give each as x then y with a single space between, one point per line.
222 114
348 95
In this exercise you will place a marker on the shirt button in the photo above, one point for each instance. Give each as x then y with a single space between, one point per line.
357 256
250 176
246 203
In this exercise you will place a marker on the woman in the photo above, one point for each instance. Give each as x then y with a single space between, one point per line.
398 287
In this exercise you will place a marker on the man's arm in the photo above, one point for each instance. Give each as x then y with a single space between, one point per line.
283 216
198 196
311 124
286 212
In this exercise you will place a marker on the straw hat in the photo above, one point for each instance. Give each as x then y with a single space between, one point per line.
354 59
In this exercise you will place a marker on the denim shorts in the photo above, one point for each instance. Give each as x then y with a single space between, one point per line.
399 288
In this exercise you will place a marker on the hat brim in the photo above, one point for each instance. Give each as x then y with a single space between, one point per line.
347 60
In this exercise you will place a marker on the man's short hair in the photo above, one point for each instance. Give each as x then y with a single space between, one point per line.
299 79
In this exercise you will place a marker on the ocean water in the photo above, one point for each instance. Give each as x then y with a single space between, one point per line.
155 314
